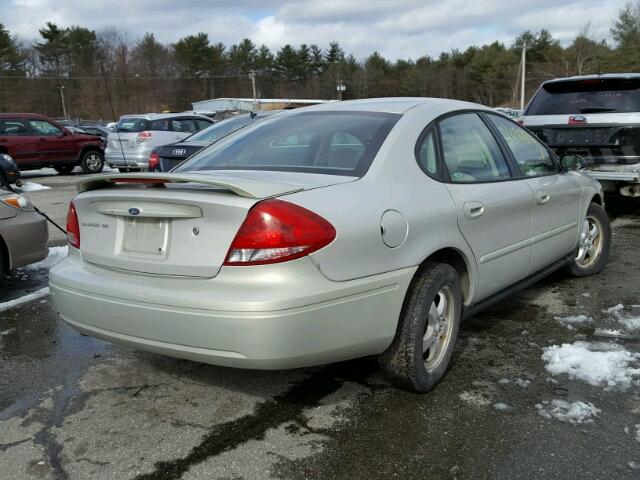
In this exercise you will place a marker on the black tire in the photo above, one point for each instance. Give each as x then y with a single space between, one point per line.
92 161
64 169
591 265
404 360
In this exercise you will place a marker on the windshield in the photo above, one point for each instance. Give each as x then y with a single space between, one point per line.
619 95
225 127
335 143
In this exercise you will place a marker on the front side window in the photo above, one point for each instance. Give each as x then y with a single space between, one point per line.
532 158
45 129
13 127
334 143
471 153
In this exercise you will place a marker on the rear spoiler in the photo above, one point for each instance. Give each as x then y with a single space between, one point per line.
242 186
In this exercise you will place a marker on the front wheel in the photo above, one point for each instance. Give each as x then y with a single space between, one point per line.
594 243
92 161
427 329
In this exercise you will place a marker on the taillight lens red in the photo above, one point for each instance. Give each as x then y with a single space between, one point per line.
73 227
278 231
154 161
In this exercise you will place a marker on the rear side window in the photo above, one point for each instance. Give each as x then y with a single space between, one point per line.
334 143
471 153
13 127
532 158
183 125
587 96
46 129
427 157
200 124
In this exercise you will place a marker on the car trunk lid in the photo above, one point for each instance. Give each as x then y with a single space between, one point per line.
174 224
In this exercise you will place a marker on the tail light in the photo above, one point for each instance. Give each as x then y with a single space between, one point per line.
278 231
143 137
154 162
73 227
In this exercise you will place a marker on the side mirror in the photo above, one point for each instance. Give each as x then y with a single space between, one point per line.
9 171
572 162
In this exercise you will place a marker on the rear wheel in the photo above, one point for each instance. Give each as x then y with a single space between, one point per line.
427 330
64 169
594 243
92 161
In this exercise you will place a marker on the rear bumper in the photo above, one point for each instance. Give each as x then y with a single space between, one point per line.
26 238
138 159
269 317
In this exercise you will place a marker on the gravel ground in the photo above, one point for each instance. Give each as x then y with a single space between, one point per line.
76 408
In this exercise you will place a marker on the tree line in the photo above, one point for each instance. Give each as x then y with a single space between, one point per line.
103 74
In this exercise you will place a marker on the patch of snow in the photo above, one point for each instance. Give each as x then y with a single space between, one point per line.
8 331
55 255
599 364
614 311
522 382
43 292
501 407
573 320
504 381
572 412
606 332
634 465
629 321
475 398
586 294
637 431
32 187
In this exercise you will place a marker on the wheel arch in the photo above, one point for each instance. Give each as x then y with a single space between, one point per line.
597 199
5 258
90 148
460 261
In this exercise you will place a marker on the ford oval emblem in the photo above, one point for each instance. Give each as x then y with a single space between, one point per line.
134 211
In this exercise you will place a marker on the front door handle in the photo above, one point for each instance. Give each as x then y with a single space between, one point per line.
473 210
542 197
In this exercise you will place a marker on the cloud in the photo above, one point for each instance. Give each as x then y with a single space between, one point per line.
397 29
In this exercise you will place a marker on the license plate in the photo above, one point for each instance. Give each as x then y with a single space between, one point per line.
145 235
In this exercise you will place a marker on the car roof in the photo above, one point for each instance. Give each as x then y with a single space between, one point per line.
603 76
398 105
160 116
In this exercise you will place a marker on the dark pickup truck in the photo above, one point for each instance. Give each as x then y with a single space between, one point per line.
34 141
595 118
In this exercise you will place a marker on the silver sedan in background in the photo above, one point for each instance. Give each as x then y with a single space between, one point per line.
343 230
23 232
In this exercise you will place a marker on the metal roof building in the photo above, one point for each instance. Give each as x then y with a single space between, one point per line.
246 104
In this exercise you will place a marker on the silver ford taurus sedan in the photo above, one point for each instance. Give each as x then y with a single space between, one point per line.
344 230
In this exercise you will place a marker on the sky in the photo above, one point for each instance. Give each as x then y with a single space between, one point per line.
405 29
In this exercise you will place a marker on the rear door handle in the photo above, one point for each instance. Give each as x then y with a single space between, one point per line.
542 197
473 210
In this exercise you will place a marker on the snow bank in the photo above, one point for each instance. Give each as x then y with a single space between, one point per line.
572 412
501 407
32 187
43 292
599 364
55 255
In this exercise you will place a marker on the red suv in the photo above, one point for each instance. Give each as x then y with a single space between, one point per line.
34 142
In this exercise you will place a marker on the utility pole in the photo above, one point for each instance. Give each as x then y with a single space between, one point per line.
252 76
64 107
523 61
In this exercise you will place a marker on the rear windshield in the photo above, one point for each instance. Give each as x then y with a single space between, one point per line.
617 95
225 127
132 124
335 143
